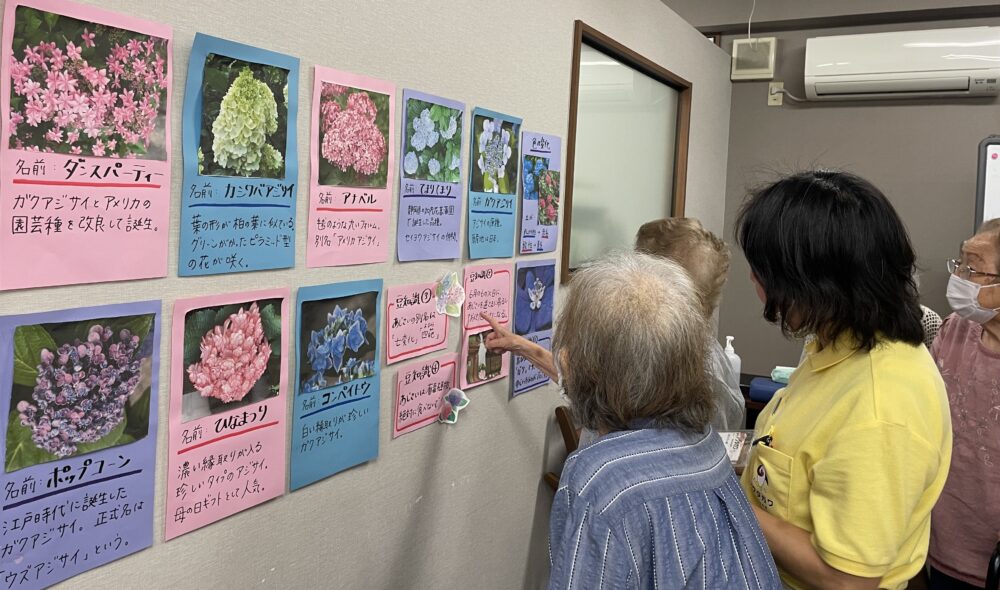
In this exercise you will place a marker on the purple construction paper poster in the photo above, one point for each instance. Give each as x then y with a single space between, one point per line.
540 183
430 177
534 301
79 393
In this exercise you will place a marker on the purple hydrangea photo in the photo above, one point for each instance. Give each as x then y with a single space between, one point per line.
78 387
534 299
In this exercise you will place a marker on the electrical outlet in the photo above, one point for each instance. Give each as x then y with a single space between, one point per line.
774 97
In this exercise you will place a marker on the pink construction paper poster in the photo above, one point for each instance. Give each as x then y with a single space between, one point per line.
412 324
487 288
228 382
352 171
84 145
419 389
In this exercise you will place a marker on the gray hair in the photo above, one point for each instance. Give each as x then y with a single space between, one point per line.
634 341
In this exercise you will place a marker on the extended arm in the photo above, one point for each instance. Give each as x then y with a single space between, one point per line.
503 340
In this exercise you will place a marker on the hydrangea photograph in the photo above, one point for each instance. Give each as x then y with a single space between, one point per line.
337 341
534 298
353 137
232 357
494 155
244 119
542 185
548 197
78 387
78 87
433 139
482 364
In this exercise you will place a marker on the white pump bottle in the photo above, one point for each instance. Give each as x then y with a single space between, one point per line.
734 359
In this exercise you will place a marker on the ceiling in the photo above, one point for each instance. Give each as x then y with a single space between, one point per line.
730 16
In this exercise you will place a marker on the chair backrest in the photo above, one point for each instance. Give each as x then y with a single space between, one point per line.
569 430
571 438
993 573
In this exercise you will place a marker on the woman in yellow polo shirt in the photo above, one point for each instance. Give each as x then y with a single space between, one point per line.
850 457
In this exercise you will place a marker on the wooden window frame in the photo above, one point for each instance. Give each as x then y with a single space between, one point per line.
583 33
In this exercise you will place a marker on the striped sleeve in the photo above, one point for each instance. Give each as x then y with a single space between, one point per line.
585 552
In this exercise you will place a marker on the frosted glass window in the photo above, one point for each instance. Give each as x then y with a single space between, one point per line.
626 138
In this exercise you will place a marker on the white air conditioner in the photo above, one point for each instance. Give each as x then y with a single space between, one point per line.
936 63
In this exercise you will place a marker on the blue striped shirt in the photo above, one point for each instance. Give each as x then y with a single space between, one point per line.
655 508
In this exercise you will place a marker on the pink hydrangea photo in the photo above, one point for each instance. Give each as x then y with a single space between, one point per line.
353 137
85 88
232 357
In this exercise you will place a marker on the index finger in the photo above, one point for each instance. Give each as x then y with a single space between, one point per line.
492 321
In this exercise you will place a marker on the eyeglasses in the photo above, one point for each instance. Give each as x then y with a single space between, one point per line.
964 271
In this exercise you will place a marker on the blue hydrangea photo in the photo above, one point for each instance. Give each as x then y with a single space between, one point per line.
534 299
337 342
533 167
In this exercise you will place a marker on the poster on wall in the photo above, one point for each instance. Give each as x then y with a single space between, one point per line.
493 170
351 176
540 178
85 155
534 299
335 411
240 164
419 389
430 186
228 379
413 325
79 392
487 289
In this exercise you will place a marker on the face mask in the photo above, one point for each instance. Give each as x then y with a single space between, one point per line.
963 296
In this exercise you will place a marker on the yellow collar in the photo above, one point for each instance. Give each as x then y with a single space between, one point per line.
842 348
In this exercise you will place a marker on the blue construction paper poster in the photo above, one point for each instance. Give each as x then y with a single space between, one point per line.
534 303
240 166
493 173
336 406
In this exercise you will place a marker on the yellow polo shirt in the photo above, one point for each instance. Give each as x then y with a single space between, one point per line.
859 452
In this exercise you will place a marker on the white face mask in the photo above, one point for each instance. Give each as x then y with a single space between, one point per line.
963 296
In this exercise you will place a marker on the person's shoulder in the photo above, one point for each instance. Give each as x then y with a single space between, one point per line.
956 331
621 468
907 388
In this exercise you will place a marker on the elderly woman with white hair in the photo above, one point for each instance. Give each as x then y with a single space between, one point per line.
654 502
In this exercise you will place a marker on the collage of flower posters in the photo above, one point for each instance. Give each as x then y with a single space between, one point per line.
240 167
85 168
85 163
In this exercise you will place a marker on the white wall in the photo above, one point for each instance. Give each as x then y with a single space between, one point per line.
445 507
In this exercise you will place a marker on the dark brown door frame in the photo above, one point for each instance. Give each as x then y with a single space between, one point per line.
583 33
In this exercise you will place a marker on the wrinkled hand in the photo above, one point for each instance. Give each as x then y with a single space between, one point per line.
502 339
